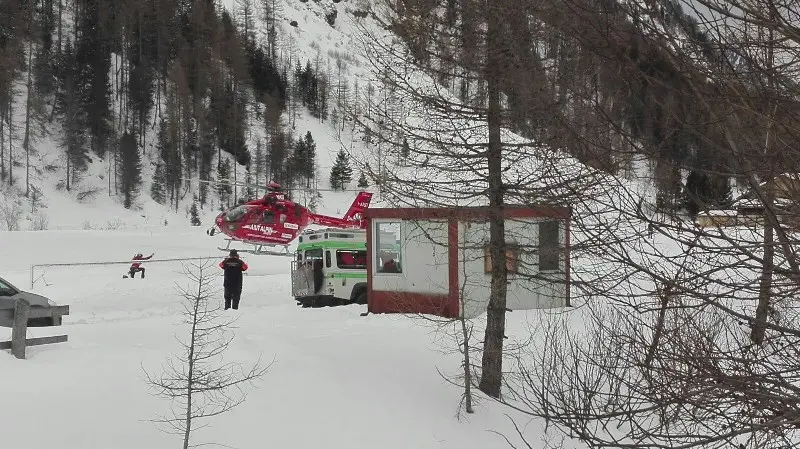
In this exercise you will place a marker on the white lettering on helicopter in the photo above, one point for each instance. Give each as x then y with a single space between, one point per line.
291 226
260 228
364 205
286 236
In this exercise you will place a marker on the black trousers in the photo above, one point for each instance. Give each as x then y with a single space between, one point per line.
136 270
232 296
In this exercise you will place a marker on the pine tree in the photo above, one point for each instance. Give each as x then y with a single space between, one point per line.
93 57
406 150
130 168
249 192
362 181
303 160
224 177
341 173
157 190
68 106
311 157
194 213
260 162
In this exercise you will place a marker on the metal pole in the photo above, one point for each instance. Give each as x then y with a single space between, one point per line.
32 275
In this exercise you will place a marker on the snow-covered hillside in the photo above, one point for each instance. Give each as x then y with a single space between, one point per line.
95 198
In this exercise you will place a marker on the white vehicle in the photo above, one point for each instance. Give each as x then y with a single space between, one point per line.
330 268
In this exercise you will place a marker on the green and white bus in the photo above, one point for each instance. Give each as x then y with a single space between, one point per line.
330 268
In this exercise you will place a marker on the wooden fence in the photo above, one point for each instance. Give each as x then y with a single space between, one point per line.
24 312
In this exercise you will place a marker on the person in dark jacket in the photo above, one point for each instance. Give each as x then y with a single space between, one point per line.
234 267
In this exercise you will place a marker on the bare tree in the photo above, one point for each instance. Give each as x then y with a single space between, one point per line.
198 380
686 331
687 328
10 213
437 150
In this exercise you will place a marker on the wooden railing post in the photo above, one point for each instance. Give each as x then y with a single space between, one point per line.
19 328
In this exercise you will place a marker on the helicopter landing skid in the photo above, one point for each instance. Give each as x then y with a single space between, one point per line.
259 249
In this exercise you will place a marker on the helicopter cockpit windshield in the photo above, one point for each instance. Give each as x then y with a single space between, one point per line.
237 213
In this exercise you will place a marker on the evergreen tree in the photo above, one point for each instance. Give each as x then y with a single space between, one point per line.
206 149
341 172
260 162
68 107
171 157
93 57
267 80
362 181
194 213
224 189
44 64
157 187
311 157
249 192
130 168
303 160
705 191
280 143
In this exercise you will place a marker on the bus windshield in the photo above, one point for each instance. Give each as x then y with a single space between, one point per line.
315 253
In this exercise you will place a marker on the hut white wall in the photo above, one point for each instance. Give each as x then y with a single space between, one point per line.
524 292
423 258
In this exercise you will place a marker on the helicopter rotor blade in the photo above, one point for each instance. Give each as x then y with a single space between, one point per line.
263 187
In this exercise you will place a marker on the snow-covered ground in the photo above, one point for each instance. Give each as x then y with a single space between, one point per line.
339 380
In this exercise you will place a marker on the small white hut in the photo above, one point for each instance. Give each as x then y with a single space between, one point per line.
436 260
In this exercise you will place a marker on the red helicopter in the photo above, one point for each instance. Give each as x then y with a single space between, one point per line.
276 220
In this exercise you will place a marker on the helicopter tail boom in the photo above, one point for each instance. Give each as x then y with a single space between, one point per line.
357 208
352 219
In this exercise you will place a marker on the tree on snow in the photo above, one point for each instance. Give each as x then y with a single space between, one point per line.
130 168
341 172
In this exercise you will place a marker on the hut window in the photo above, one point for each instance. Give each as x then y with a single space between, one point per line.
548 246
388 258
512 254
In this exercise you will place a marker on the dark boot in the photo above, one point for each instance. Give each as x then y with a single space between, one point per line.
227 304
142 273
236 303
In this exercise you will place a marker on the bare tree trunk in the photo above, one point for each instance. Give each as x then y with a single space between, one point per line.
467 368
2 147
26 142
659 328
492 363
68 173
11 137
768 265
60 15
190 371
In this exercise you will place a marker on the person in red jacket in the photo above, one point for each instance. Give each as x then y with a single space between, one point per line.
137 266
234 267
